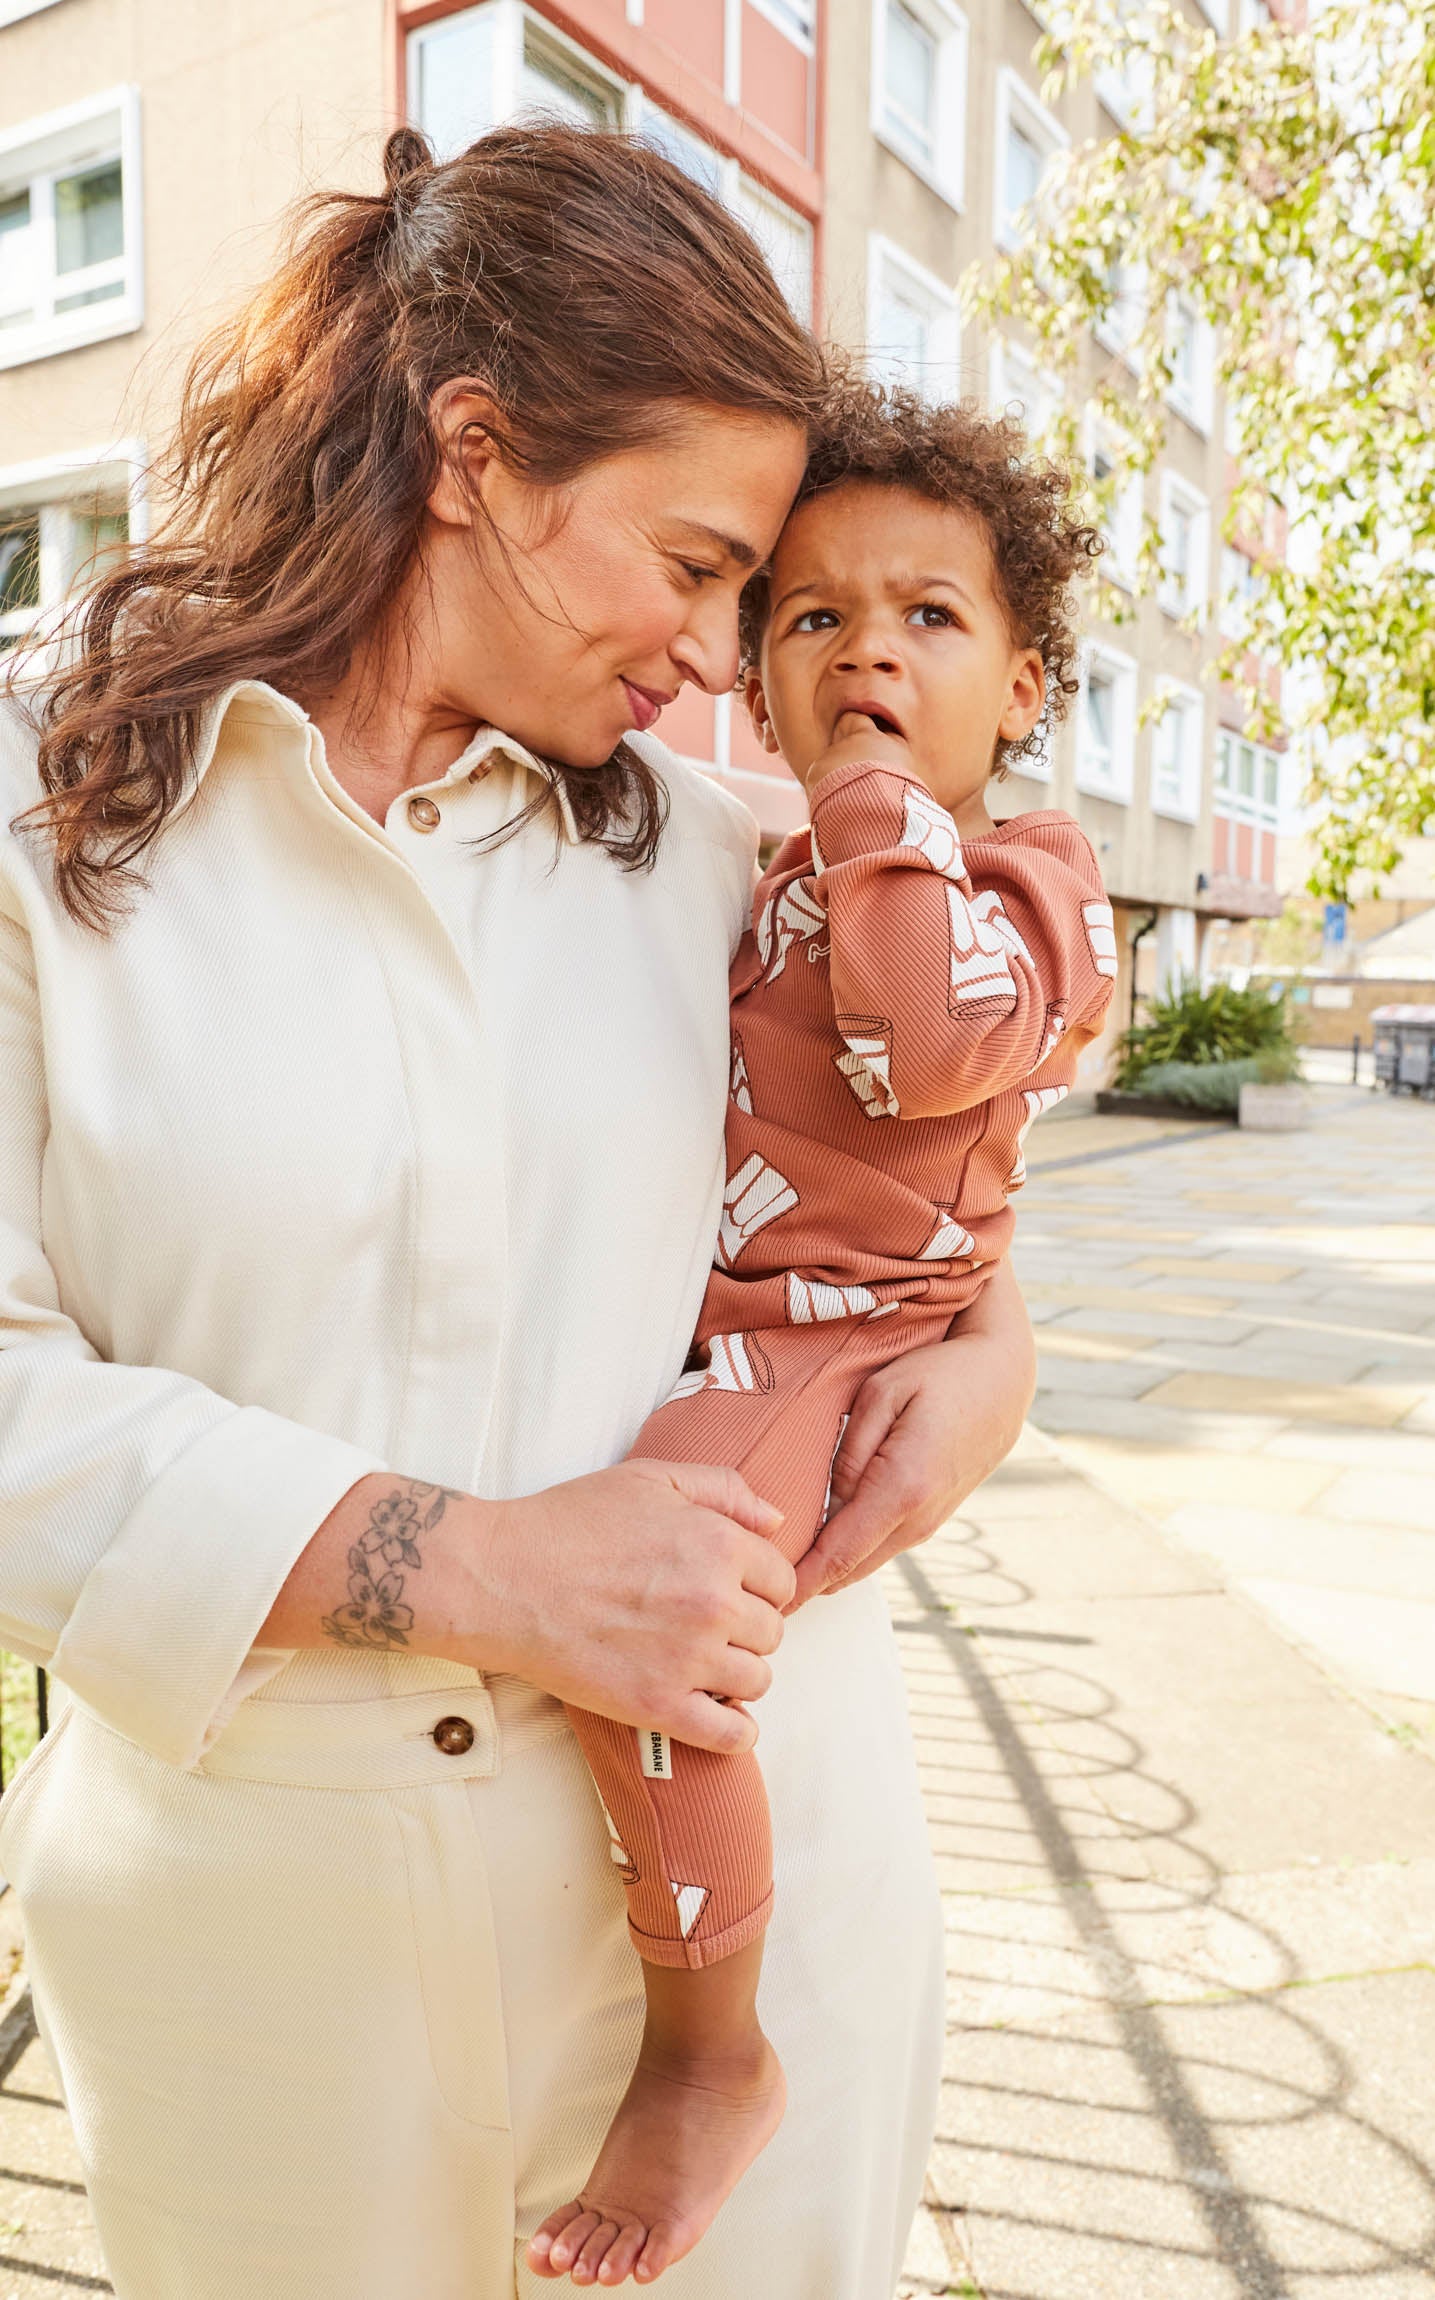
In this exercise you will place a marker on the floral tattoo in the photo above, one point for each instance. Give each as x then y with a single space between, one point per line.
385 1551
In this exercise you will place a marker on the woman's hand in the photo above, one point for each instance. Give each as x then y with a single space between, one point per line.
641 1592
923 1433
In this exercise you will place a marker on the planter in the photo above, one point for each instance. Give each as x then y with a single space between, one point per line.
1274 1109
1111 1102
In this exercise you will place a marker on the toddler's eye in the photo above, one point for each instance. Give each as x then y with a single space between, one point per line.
931 616
816 619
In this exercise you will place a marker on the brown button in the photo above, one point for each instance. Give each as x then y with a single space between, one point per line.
424 815
454 1735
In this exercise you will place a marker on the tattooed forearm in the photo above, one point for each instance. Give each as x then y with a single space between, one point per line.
386 1552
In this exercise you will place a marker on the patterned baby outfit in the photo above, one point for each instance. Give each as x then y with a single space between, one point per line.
906 1004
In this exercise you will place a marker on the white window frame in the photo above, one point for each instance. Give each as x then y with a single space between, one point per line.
1183 806
942 378
1198 403
1122 561
1218 14
1178 494
1015 100
32 154
1261 813
1121 671
54 485
1015 375
950 34
509 22
11 11
1253 16
1126 98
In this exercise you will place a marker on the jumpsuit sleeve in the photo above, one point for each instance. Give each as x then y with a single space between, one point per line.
948 991
146 1524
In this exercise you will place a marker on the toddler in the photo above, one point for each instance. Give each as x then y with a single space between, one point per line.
917 984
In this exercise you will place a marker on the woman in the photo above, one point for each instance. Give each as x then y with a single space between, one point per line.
360 1162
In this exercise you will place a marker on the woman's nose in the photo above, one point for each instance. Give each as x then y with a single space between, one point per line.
708 655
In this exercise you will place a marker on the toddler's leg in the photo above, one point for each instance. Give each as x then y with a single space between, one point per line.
691 1835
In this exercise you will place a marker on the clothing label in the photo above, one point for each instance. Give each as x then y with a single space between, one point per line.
657 1756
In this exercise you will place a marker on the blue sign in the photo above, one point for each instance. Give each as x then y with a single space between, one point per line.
1335 916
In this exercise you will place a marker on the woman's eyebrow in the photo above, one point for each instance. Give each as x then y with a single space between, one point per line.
743 554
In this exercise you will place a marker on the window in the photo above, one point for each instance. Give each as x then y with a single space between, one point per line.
784 237
1248 783
12 10
1019 388
1126 88
498 61
1185 525
1217 12
70 228
1027 136
913 324
1253 15
1119 328
1123 519
1106 725
919 88
60 523
797 18
1191 346
1176 756
1241 585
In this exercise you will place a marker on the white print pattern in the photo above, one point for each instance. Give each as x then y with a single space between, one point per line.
735 1363
867 1064
1101 934
949 1242
690 1900
794 915
984 942
755 1195
817 861
1055 1028
1038 1099
739 1085
812 1303
617 1850
930 829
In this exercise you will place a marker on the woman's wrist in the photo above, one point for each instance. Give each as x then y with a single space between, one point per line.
398 1565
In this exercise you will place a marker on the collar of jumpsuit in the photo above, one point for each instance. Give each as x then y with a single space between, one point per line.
353 1146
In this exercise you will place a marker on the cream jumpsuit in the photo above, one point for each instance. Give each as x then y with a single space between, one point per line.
353 1147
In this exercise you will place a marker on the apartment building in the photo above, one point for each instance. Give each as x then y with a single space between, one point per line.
874 147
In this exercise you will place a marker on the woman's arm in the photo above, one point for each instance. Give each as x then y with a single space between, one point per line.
923 1433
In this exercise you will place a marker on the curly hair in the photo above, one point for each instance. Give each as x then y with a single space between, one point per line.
884 436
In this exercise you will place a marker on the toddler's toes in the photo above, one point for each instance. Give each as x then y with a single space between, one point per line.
658 2253
594 2252
623 2258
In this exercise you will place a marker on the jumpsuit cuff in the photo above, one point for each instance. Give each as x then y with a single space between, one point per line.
655 1949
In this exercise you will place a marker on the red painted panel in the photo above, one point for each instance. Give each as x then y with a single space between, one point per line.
1268 858
1245 851
1220 845
692 29
687 724
775 77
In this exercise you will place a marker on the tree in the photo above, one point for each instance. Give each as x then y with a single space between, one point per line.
1282 185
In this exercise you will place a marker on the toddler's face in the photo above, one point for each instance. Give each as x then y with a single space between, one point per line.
888 638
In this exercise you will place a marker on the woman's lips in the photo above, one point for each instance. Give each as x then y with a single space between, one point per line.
644 703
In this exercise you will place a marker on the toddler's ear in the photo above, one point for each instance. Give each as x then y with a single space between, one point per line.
757 710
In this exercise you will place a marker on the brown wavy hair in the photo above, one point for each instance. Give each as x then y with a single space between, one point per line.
959 456
589 284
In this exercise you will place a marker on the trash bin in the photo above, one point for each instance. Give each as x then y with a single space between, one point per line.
1405 1048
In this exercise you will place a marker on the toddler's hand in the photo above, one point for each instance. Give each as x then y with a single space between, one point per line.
855 739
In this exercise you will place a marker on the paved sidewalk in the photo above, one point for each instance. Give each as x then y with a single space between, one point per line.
1237 1338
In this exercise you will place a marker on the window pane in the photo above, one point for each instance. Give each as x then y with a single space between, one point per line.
1223 764
1247 782
100 538
549 84
16 257
909 94
453 81
19 561
902 348
784 237
89 218
1270 773
90 295
1024 163
685 150
1100 712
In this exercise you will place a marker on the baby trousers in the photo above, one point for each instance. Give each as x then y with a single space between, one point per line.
688 1829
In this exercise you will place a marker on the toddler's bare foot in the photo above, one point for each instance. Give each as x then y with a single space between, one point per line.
689 2126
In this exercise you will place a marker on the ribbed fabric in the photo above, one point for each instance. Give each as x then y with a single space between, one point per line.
352 1146
905 1005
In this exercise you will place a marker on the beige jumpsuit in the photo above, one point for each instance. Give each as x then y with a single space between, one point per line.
353 1147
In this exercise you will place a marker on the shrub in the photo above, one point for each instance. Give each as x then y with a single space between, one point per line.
1213 1085
1197 1027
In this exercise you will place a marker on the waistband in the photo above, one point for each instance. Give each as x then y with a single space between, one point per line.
462 1732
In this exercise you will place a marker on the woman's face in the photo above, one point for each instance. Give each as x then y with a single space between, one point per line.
579 611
